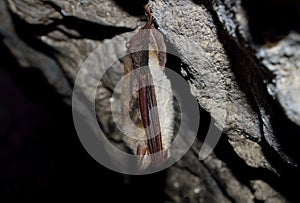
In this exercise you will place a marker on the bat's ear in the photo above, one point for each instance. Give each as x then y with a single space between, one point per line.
144 159
166 154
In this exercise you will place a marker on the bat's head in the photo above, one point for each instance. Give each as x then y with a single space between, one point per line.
145 159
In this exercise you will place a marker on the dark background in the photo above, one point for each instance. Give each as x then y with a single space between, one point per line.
41 157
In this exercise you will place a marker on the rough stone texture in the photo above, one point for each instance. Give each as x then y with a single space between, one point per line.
268 40
263 192
241 59
212 80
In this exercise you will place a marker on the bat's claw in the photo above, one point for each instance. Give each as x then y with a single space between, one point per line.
148 10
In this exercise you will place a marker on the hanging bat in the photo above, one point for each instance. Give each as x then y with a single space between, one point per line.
151 106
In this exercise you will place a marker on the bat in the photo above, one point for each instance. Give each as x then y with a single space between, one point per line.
151 107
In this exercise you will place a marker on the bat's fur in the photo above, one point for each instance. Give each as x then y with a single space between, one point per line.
136 136
147 48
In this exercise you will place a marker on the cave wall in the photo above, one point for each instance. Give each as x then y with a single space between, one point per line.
240 58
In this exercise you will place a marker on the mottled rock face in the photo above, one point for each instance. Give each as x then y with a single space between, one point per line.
240 58
273 43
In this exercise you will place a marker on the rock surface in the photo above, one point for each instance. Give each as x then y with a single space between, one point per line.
240 59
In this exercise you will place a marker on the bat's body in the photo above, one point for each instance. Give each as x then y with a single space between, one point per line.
151 107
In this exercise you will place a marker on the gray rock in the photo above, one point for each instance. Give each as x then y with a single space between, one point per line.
244 73
274 45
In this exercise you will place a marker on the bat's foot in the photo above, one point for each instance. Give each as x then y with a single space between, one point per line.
148 11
